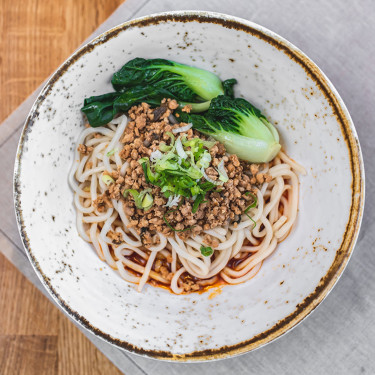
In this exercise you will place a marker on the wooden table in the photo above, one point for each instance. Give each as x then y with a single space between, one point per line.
36 37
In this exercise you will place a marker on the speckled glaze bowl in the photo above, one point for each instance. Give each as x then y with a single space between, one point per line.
316 130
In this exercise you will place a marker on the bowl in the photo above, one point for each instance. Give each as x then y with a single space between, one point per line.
316 130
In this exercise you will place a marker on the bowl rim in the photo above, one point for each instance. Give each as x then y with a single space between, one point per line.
341 113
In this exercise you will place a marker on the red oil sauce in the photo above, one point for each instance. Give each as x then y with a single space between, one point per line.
215 288
136 258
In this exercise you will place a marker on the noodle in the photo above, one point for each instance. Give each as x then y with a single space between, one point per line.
241 249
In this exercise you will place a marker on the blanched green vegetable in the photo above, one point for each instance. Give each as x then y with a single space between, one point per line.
185 82
240 126
100 110
228 87
152 80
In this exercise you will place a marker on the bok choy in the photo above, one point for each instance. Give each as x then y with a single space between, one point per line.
151 80
187 83
240 126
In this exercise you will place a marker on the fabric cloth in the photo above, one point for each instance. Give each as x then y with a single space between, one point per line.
339 337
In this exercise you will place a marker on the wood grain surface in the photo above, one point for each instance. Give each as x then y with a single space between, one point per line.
36 37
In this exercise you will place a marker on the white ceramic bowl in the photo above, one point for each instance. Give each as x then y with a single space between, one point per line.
316 130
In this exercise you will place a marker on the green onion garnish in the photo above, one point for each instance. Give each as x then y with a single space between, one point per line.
197 202
176 175
164 148
254 204
142 200
171 135
147 202
206 251
108 180
145 171
110 153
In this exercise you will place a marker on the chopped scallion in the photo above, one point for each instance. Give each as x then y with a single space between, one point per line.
110 153
108 180
206 251
179 168
142 200
253 205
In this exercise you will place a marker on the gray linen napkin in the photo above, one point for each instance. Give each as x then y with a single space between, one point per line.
339 338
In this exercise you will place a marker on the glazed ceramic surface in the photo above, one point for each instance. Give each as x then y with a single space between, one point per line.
315 130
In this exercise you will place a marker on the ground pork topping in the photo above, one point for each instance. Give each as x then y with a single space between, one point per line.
84 150
152 135
116 237
102 202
